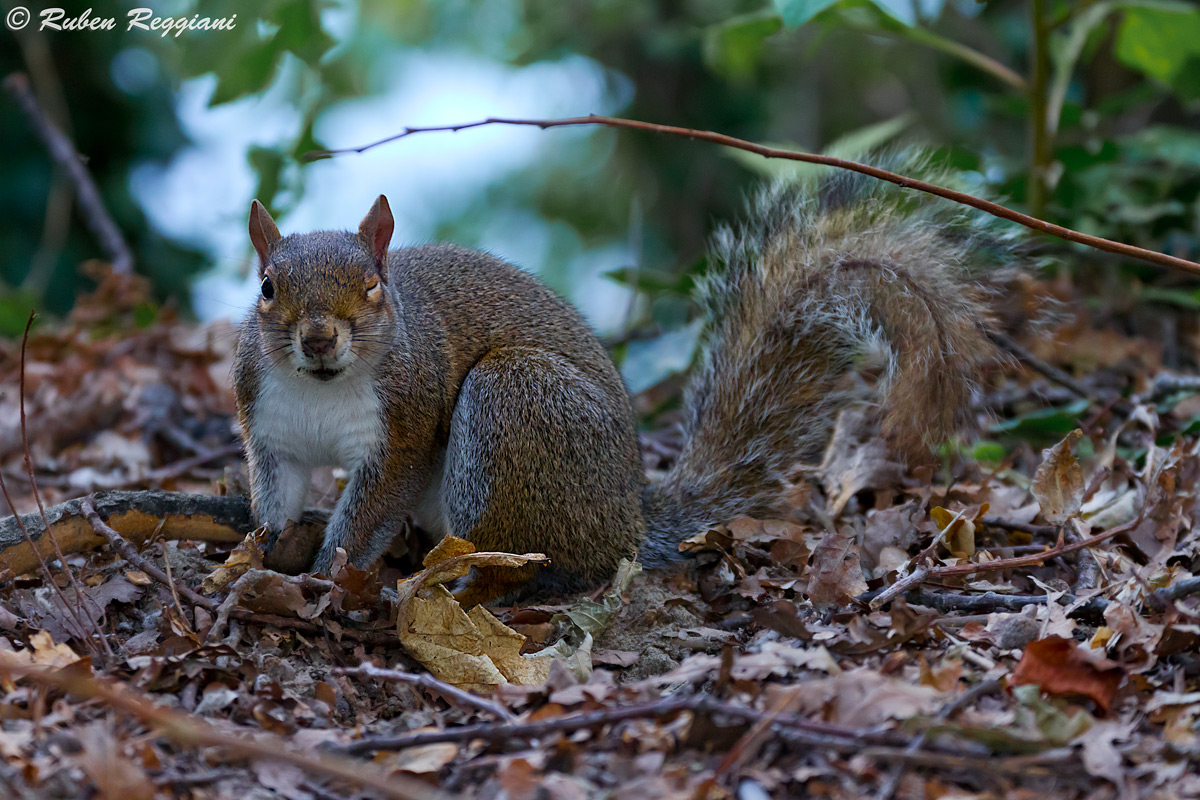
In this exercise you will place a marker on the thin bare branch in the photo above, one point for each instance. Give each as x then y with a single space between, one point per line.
995 209
65 155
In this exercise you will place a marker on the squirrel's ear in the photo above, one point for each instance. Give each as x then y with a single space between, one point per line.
376 231
263 233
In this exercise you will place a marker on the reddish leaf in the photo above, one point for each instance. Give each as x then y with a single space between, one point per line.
1060 667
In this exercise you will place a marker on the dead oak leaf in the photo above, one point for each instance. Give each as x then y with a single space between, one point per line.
836 575
1059 667
1058 482
471 650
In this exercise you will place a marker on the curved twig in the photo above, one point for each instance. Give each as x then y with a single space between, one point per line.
995 209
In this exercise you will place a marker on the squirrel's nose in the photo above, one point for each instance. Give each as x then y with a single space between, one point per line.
318 337
318 345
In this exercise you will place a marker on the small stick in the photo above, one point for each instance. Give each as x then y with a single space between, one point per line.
68 159
1034 559
988 602
1049 370
130 554
797 728
431 684
171 580
750 742
1176 591
193 731
1024 527
962 701
988 207
905 584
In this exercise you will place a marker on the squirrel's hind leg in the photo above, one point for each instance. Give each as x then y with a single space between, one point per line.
536 463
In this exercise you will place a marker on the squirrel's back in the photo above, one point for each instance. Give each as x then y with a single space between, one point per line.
483 303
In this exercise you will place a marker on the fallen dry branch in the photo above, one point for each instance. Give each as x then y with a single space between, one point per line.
136 515
990 602
192 731
430 684
790 726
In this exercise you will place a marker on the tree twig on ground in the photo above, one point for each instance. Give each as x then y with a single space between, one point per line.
91 206
1024 527
192 731
793 727
751 741
430 684
962 701
1033 559
989 602
995 209
127 551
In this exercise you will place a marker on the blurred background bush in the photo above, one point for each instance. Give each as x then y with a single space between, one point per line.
1085 113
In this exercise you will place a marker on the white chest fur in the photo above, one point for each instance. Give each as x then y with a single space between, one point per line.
315 424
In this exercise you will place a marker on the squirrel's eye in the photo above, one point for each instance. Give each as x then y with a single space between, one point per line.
268 289
374 289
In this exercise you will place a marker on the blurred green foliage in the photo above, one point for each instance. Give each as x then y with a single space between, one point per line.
1083 112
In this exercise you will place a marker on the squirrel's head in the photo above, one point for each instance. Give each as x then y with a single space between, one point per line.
323 305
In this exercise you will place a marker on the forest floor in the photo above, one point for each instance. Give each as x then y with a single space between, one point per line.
1021 620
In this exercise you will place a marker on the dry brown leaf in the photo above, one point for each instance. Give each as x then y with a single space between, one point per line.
1058 483
1060 667
471 650
268 592
42 652
420 760
862 698
115 775
837 575
246 556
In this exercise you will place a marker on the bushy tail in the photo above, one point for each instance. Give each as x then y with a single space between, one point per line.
825 278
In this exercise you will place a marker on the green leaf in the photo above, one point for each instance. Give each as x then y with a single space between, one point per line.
870 137
653 282
1159 43
852 145
797 12
734 47
256 69
648 362
988 451
1183 298
1045 421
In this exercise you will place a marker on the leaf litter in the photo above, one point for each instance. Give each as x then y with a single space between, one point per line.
1017 627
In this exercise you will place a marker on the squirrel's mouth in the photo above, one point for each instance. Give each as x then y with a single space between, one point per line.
324 373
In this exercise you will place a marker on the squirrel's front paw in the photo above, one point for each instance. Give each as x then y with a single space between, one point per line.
294 549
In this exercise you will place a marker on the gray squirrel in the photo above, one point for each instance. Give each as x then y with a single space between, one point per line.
459 391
